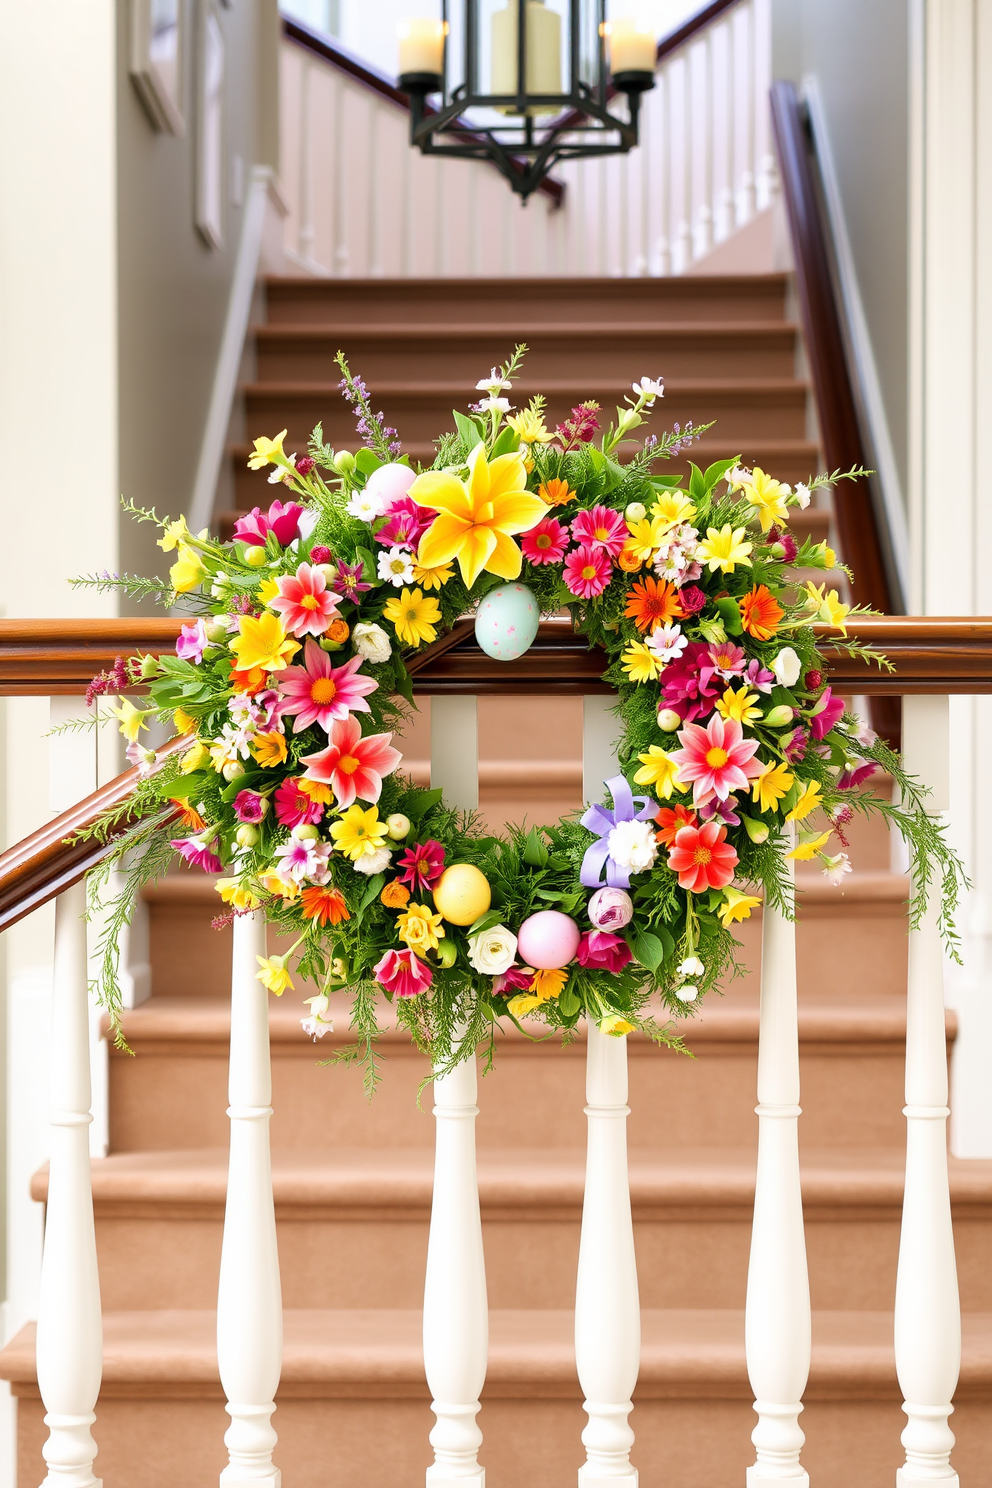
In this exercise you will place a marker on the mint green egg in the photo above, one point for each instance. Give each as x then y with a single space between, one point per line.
506 622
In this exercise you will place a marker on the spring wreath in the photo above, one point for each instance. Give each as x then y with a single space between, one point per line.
290 676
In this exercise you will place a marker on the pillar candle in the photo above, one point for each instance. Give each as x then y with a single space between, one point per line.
633 47
543 49
421 46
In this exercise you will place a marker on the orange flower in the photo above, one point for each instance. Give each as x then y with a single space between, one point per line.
252 681
395 895
556 492
325 905
672 819
653 602
316 790
269 749
629 561
760 613
188 815
337 631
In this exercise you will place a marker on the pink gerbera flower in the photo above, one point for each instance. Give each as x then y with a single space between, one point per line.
421 866
599 525
294 807
320 693
545 543
403 973
304 601
587 571
703 858
353 766
717 759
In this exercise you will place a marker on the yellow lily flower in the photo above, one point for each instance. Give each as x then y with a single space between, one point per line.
736 906
739 705
774 782
646 537
414 616
132 719
173 534
267 452
808 801
187 571
640 662
725 549
263 643
432 578
476 518
767 496
237 894
616 1026
273 975
658 769
809 849
827 607
673 507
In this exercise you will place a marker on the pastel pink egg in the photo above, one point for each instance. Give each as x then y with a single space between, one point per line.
389 483
547 939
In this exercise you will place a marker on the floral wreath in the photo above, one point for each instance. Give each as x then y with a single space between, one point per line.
291 673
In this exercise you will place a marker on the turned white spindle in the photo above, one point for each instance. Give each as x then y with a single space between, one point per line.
777 1317
607 1309
927 1308
249 1299
70 1327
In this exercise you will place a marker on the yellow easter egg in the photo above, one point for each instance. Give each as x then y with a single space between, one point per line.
462 894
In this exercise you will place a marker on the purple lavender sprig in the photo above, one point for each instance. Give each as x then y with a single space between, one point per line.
376 435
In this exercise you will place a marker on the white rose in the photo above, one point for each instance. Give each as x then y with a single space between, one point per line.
632 845
491 952
373 862
372 642
787 667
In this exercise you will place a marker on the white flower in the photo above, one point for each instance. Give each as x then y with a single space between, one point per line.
864 735
144 758
363 506
632 845
373 862
689 993
787 667
836 867
280 473
495 405
318 1022
371 642
491 384
737 476
491 952
691 967
667 643
801 494
396 566
649 388
302 859
308 521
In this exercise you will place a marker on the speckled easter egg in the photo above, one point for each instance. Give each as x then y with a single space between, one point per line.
462 894
389 483
506 622
547 939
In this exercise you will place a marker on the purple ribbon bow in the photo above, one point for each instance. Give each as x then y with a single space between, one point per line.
602 821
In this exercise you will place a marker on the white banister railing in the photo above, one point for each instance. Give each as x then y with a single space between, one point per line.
249 1298
927 1309
777 1313
704 168
70 1327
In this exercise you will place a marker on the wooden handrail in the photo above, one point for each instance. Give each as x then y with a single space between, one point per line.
48 657
861 528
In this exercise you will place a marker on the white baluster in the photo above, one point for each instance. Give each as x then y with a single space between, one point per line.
927 1309
684 232
70 1328
607 1310
746 201
707 145
777 1318
249 1300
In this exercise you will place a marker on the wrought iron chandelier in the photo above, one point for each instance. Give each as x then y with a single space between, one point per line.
524 86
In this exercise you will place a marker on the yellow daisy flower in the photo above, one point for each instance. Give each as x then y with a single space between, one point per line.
263 643
809 848
184 722
269 749
640 663
646 537
547 984
739 705
725 549
673 507
268 588
659 770
767 496
414 617
359 833
736 906
432 578
774 782
808 801
420 928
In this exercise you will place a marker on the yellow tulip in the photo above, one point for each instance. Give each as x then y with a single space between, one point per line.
132 719
476 518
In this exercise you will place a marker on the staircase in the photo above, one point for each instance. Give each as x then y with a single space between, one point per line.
353 1180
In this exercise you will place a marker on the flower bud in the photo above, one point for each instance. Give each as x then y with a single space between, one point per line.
216 630
669 720
635 512
813 679
255 557
397 826
326 644
328 570
687 994
756 830
233 771
149 668
221 586
779 717
777 550
246 836
320 555
447 952
305 832
344 462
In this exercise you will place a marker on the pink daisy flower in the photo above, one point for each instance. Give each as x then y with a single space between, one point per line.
406 525
587 571
353 766
716 759
702 858
421 866
602 526
545 543
320 693
403 973
304 602
294 807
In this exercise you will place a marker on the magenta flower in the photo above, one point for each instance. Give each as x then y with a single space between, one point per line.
692 598
198 851
304 602
320 554
828 711
350 765
301 859
283 521
601 526
724 812
851 778
406 525
422 865
318 692
601 951
716 759
403 974
348 582
192 642
587 571
690 684
545 543
794 747
755 675
514 978
250 807
294 807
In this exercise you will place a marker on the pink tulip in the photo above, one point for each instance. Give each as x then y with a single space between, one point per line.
403 974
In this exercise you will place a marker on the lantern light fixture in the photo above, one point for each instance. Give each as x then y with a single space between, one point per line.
530 89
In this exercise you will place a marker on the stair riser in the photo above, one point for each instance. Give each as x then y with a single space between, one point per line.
531 1439
690 1259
